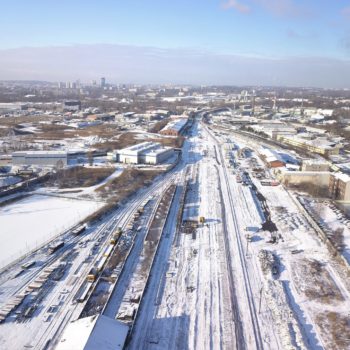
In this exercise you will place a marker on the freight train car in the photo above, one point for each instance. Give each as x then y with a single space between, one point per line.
78 230
54 247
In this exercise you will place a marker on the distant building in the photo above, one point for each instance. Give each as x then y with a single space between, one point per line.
72 106
103 82
43 158
319 145
101 117
319 178
274 129
271 158
314 165
338 184
174 127
146 152
12 107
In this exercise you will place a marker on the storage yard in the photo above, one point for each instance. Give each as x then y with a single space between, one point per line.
213 254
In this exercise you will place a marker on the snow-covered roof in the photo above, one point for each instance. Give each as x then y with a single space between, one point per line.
156 151
271 155
95 332
176 125
140 147
39 153
342 177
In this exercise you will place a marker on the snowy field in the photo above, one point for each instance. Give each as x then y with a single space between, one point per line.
31 222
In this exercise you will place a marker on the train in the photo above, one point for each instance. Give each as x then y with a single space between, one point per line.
91 277
78 230
28 265
55 246
116 236
94 272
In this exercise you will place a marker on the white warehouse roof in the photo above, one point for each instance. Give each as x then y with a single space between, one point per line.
177 124
95 332
140 147
40 153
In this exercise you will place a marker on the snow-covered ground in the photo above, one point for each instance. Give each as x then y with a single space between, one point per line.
310 293
210 290
334 220
34 220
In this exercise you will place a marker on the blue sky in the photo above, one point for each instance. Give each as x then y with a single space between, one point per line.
274 29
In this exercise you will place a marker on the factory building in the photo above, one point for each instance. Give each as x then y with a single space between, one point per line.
145 152
43 158
314 165
175 127
319 145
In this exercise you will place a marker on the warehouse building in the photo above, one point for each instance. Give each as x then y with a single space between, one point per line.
338 184
271 158
71 106
175 127
319 145
274 129
95 332
43 158
314 165
321 178
145 153
157 155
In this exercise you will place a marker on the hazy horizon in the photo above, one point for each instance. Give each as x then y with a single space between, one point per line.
152 65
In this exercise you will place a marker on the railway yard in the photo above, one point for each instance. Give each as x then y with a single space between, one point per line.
208 256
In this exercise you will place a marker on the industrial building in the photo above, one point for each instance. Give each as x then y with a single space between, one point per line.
43 158
314 165
271 158
72 106
339 186
319 145
145 152
321 178
157 155
95 332
175 127
274 129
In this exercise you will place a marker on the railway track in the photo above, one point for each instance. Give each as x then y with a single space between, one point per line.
118 220
239 333
248 288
